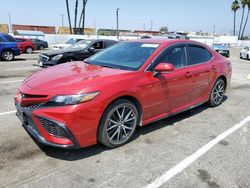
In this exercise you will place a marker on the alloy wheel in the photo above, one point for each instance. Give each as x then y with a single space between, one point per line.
8 56
121 123
218 92
29 50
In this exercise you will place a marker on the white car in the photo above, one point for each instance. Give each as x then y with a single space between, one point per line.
245 53
66 44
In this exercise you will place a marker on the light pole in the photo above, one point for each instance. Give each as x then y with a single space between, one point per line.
62 19
117 23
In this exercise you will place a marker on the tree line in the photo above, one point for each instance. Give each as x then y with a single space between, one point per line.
81 24
235 7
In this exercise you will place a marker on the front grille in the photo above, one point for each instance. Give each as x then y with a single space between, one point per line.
43 58
53 128
31 107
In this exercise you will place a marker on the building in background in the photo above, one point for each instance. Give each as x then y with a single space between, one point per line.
87 31
141 33
44 29
4 28
110 32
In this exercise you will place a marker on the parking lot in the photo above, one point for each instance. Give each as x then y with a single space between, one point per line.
155 150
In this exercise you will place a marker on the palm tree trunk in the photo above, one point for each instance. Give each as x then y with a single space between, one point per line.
67 5
76 9
83 15
234 21
241 22
80 21
242 35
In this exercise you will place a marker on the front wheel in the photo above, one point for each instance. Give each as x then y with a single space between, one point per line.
217 93
118 123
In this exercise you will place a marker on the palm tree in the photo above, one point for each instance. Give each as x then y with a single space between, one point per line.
243 4
248 5
235 6
76 10
82 17
67 6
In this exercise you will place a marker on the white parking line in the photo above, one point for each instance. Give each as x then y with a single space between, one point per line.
192 158
30 68
5 113
11 81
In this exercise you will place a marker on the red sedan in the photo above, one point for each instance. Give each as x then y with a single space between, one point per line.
133 83
26 45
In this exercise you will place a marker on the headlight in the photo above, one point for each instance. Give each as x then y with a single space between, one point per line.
57 57
63 100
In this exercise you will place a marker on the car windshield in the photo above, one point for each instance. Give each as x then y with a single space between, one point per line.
70 41
219 47
125 55
81 44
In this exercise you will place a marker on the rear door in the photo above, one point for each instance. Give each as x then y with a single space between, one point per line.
201 70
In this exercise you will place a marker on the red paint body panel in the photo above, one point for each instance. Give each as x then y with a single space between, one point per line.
158 96
27 43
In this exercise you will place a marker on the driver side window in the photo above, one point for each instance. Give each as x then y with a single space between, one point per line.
98 45
175 56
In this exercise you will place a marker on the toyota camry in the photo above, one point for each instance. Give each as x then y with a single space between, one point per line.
133 83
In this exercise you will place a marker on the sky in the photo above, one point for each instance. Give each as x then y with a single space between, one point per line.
181 15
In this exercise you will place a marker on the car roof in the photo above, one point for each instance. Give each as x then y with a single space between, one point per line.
164 41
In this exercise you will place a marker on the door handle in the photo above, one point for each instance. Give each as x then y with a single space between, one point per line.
188 74
214 68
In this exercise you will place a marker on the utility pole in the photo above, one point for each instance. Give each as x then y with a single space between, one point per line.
151 25
62 19
144 27
10 27
117 23
214 29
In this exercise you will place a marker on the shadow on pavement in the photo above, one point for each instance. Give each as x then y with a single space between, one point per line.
78 154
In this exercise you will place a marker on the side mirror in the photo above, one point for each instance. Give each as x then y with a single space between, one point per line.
164 68
91 49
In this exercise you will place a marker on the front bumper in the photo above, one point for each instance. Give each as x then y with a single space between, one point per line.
34 127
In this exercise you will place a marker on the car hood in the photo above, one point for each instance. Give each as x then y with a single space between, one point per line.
73 78
61 51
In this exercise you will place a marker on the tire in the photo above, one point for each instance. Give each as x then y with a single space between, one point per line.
41 47
118 123
247 57
8 55
177 37
28 50
217 93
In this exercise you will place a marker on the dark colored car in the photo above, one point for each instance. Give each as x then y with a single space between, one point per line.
40 44
130 84
222 49
77 52
26 45
8 47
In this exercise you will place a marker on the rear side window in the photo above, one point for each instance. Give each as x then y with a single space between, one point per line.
197 55
9 38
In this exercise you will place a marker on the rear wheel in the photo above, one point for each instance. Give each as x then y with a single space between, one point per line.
118 123
41 47
8 55
28 50
217 93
